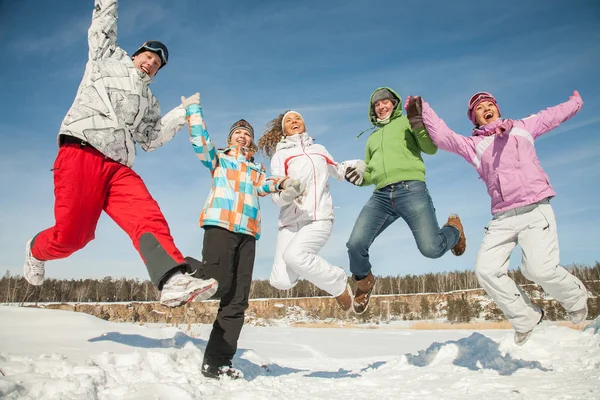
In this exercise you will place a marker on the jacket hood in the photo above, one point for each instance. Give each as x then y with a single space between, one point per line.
294 141
395 114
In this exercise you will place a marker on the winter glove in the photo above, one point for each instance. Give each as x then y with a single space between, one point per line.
414 112
292 188
193 99
355 174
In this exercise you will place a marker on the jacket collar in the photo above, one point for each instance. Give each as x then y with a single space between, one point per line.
239 151
288 142
498 127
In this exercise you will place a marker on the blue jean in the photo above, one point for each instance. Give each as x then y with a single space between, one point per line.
410 201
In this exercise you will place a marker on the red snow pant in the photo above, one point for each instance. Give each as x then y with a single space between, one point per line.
85 183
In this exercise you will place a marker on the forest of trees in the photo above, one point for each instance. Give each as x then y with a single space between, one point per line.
15 289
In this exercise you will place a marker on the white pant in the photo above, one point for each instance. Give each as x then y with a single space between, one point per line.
296 257
533 227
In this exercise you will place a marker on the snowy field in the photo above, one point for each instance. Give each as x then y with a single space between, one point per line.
51 354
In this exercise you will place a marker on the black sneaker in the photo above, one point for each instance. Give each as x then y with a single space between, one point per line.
214 372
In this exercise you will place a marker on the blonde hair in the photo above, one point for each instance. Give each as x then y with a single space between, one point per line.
273 135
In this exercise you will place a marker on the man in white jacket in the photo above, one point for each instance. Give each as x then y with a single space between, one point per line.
306 216
113 110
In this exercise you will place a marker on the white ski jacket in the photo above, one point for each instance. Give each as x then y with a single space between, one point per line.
299 158
114 107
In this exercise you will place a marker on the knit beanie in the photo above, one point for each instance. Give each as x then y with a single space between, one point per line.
241 124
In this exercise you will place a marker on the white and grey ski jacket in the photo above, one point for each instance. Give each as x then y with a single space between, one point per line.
299 158
114 107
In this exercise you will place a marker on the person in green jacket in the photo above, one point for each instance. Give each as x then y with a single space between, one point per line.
393 163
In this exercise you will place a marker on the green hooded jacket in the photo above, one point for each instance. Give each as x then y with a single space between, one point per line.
393 152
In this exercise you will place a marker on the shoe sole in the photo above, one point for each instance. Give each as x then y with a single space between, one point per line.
203 293
462 239
351 294
364 310
27 278
368 295
524 340
542 312
359 312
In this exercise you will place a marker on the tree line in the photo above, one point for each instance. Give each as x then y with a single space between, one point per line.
15 289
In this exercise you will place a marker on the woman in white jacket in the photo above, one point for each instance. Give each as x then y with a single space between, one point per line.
306 216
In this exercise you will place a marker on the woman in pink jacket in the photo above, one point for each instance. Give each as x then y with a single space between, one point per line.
306 216
503 153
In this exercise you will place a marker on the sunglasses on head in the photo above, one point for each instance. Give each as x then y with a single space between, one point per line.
158 48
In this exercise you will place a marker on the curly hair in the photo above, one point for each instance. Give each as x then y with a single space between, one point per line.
273 134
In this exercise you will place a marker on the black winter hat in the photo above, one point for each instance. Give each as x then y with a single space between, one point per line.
157 48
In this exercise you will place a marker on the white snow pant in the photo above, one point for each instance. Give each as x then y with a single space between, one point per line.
532 227
296 257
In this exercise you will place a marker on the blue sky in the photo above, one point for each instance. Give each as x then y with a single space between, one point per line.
256 59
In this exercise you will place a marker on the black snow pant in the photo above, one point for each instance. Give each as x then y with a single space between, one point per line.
227 257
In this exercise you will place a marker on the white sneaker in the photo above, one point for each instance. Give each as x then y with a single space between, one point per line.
579 316
521 338
183 288
33 270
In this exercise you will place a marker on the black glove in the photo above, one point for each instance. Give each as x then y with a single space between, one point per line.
414 113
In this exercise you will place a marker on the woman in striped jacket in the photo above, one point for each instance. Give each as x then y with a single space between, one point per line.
231 220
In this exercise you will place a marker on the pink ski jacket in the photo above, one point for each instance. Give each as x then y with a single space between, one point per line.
506 161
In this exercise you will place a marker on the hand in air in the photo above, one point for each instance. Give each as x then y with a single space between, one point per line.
193 99
414 112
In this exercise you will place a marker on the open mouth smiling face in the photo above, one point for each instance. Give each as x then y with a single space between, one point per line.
486 112
294 124
241 137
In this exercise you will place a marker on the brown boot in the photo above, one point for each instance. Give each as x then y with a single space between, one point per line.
460 247
364 287
345 299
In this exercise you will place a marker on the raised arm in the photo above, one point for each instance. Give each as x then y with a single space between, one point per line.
102 35
551 117
441 135
203 146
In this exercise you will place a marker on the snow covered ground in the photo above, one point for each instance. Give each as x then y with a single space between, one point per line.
51 354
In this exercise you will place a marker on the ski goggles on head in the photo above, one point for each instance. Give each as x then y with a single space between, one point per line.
158 48
474 102
479 97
